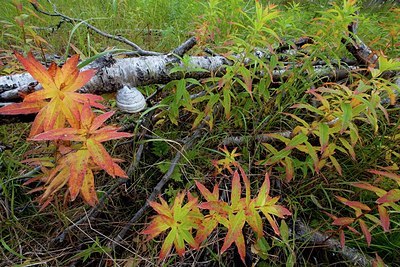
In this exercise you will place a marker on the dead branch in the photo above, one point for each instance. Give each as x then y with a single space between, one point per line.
137 49
306 233
364 55
91 214
260 138
186 46
112 73
157 189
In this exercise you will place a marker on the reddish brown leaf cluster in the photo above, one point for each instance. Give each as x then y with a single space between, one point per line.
79 147
363 213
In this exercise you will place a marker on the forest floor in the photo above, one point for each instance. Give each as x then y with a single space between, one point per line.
188 140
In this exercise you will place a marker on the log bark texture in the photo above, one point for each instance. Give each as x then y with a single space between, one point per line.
112 73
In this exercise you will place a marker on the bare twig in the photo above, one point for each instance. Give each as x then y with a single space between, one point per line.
138 50
146 124
296 44
364 55
28 174
211 52
186 46
262 138
91 214
157 189
306 233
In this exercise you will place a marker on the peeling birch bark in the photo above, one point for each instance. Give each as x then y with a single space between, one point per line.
113 73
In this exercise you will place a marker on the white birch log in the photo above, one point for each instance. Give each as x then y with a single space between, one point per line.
112 74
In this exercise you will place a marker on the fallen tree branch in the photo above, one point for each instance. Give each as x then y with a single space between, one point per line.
113 73
364 55
146 70
153 70
305 233
138 50
91 214
186 46
157 189
260 138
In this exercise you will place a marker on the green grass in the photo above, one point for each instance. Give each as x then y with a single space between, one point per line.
26 235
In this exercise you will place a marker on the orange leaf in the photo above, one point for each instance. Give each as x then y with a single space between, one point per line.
87 117
78 171
87 98
56 184
66 75
70 76
236 190
40 95
53 114
367 186
253 218
343 221
162 208
246 182
59 86
22 108
206 193
264 191
100 156
289 169
99 120
384 215
236 223
342 238
71 110
273 223
167 244
105 135
365 231
37 70
88 191
353 204
205 229
59 134
157 226
390 197
118 171
38 123
390 175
